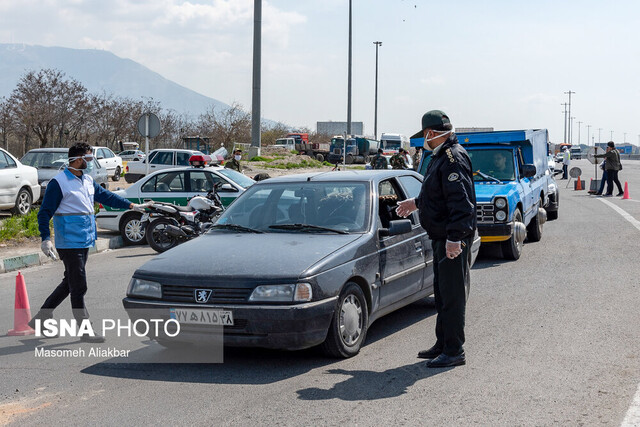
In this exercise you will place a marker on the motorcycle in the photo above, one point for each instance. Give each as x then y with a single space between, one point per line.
167 225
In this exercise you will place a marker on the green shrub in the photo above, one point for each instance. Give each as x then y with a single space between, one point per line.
17 227
294 152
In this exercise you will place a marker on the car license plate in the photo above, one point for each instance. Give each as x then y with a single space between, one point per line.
202 317
145 217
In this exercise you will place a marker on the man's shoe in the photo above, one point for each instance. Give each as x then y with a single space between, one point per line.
444 361
608 195
42 315
620 194
432 353
597 194
95 339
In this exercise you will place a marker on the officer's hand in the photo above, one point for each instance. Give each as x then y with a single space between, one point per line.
405 207
453 249
47 249
141 207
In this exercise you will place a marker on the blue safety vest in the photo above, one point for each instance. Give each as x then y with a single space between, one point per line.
74 221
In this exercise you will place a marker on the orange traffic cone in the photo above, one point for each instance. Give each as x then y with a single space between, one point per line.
579 185
22 312
626 191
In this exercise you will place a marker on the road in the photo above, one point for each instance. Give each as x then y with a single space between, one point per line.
551 339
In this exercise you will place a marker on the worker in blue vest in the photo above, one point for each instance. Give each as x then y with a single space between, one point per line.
69 200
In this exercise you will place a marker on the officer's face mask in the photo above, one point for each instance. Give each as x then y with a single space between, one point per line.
438 135
85 159
237 157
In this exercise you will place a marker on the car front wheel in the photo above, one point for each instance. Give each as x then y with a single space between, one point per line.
349 325
131 230
23 202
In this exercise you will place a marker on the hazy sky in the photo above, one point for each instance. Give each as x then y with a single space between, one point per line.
504 64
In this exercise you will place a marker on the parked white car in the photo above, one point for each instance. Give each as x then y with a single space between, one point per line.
161 158
174 185
109 161
132 155
19 185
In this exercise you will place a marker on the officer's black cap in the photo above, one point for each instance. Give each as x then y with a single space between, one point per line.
432 119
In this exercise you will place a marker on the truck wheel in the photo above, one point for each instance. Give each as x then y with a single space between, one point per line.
512 249
130 230
319 157
534 230
349 159
348 328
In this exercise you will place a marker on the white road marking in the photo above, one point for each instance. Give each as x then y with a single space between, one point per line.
632 418
633 414
622 212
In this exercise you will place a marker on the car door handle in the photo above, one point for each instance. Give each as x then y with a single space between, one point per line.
418 246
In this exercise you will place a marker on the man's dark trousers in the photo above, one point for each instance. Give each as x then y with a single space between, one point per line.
612 176
564 171
451 277
74 282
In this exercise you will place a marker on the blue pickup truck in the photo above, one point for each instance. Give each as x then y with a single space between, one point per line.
515 190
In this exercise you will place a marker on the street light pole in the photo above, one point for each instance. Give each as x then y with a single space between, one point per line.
611 136
570 134
257 57
349 78
570 92
564 139
579 123
588 128
599 139
375 119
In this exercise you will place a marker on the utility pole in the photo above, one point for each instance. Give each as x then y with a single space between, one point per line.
349 78
570 92
570 134
579 123
588 128
375 118
625 138
565 123
257 57
611 136
599 139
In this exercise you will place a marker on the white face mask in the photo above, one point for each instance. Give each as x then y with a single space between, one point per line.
442 133
84 162
237 157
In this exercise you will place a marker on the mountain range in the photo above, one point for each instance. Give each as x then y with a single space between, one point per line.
100 70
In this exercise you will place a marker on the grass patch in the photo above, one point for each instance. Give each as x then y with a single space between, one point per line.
299 165
17 227
294 152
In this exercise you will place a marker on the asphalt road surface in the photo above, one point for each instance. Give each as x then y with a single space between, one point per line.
552 339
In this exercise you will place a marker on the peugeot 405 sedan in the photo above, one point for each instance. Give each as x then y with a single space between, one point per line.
296 261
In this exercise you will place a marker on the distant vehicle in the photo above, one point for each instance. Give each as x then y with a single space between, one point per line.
108 160
132 155
576 153
173 185
18 184
288 143
358 149
50 161
333 258
161 158
392 142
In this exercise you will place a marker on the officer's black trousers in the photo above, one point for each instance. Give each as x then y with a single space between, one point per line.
451 279
74 282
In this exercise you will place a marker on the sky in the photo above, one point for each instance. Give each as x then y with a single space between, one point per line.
504 64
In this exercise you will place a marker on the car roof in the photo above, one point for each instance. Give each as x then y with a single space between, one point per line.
51 150
357 175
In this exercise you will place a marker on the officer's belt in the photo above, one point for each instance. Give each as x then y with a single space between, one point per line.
72 214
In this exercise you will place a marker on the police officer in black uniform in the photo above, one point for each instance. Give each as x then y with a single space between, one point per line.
447 210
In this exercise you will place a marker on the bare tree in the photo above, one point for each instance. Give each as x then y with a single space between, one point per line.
6 122
231 125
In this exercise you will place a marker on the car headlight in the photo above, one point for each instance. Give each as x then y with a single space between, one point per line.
282 293
501 203
501 215
144 288
552 188
43 184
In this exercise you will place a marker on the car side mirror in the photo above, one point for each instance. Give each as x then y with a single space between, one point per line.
400 226
226 187
135 159
529 171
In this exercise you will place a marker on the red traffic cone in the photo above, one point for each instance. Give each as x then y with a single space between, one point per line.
22 312
579 185
626 191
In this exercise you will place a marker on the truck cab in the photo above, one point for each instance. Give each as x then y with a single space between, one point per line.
288 143
513 184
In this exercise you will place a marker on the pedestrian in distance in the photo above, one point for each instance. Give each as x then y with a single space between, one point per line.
379 161
69 200
234 163
398 160
447 210
417 156
612 166
566 161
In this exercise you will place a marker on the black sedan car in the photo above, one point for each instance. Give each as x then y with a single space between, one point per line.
296 261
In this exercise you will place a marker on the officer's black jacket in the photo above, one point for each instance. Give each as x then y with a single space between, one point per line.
447 200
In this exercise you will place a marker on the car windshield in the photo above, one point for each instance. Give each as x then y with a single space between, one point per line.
45 159
492 164
240 179
302 207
